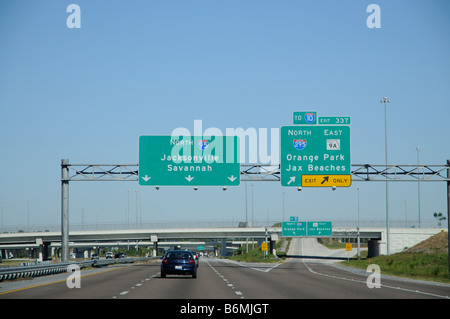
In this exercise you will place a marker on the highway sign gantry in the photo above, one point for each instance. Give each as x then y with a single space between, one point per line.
166 160
322 151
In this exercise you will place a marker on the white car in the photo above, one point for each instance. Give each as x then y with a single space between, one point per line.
109 254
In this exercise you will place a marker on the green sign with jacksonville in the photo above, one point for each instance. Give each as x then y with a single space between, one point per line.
166 160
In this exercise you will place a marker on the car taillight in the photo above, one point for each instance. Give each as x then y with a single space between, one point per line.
165 260
191 261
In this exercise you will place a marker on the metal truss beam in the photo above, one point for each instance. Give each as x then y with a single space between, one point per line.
265 172
103 172
400 173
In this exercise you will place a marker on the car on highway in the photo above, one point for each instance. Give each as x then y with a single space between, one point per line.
178 262
94 256
109 254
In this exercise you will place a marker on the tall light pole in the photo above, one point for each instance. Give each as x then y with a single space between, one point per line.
246 213
128 210
418 183
358 235
137 194
386 100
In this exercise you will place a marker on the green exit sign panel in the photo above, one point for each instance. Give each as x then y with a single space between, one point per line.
320 229
313 150
302 229
166 160
292 229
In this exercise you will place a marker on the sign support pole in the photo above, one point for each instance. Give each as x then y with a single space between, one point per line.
448 211
65 210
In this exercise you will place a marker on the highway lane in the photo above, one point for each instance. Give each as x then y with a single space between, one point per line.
296 278
123 282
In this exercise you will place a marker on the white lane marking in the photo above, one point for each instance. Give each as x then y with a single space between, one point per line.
365 282
226 280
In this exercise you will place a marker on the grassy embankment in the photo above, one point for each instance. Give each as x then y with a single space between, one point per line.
427 260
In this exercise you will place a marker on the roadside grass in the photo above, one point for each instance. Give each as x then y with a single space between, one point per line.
253 255
413 265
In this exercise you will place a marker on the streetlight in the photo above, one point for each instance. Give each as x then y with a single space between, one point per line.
386 100
137 206
358 234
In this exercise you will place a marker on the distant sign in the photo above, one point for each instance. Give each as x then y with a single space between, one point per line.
320 229
301 228
293 229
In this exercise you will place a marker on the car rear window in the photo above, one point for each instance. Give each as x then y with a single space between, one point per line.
179 255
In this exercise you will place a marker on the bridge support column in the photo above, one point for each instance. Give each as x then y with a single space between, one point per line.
373 248
223 250
155 249
154 239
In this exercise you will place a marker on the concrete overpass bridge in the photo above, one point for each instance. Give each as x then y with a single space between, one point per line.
400 238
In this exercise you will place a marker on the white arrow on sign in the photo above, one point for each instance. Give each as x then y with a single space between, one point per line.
146 178
189 178
232 178
292 179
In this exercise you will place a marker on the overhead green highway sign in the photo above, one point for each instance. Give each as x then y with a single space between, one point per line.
320 150
292 229
302 229
166 160
319 229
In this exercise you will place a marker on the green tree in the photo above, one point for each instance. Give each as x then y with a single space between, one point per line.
440 217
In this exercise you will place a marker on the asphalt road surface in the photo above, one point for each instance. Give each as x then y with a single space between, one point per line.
295 278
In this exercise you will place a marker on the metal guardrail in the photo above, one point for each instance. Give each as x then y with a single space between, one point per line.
10 273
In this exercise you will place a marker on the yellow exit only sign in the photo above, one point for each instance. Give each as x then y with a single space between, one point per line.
326 180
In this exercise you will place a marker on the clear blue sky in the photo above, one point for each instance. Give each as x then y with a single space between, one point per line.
147 67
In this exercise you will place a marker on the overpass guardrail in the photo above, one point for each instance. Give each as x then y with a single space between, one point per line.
44 269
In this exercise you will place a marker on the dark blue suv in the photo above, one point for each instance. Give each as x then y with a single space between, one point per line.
178 262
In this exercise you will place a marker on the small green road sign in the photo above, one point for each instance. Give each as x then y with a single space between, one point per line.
314 150
166 160
334 120
293 218
302 229
305 118
292 229
320 229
